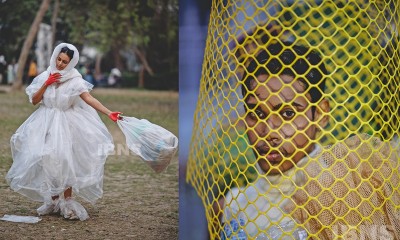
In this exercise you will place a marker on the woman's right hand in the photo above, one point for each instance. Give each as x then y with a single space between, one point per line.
52 79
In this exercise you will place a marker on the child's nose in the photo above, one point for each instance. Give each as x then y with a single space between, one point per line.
269 131
273 139
273 122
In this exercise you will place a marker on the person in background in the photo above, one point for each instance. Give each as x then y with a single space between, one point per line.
12 72
114 78
3 66
32 71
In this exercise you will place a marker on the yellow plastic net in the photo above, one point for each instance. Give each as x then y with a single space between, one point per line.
297 122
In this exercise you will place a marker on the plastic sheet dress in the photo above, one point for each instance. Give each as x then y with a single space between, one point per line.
61 144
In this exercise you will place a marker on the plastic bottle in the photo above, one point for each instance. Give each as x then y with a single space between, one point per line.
234 230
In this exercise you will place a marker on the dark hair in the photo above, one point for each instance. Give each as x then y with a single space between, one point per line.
69 52
289 61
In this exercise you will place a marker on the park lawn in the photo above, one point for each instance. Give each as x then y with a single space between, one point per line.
137 203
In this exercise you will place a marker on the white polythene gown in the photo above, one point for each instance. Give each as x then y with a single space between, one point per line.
62 144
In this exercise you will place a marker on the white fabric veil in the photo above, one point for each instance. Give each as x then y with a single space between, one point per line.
69 72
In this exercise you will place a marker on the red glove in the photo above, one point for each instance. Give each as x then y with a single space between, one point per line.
52 79
115 116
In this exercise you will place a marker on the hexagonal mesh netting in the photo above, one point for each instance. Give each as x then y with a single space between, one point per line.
297 121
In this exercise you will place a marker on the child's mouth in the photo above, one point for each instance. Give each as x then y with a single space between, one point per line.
272 156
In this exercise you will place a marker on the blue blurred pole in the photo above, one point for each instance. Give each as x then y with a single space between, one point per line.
193 21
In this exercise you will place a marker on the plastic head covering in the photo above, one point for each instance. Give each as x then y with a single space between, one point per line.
69 71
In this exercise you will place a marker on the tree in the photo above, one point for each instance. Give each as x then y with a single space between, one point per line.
17 85
16 17
54 21
103 24
147 28
163 44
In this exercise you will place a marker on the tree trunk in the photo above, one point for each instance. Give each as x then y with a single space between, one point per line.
141 77
143 60
117 58
97 67
144 67
54 21
17 85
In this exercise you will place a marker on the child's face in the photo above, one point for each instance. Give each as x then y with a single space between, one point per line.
279 122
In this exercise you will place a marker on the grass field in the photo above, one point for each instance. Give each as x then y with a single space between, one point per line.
137 203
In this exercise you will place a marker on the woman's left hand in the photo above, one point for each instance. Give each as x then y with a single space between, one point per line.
115 116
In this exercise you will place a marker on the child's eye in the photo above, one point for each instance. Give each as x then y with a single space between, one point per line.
257 114
288 114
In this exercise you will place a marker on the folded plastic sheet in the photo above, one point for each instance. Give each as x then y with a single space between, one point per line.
20 219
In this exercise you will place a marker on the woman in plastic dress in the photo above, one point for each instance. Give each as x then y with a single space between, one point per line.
60 149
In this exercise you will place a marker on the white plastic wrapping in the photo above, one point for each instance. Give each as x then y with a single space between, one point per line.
20 219
59 145
49 207
153 144
72 209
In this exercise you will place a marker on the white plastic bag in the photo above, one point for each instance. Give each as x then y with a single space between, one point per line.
20 219
153 144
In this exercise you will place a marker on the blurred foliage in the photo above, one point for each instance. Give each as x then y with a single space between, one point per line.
129 79
162 81
103 23
150 26
16 17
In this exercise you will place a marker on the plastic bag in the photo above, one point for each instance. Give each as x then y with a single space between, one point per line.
153 144
20 219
